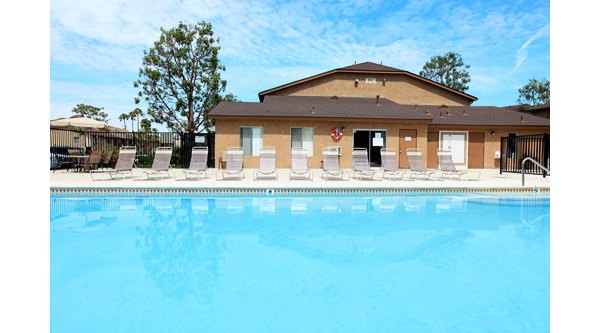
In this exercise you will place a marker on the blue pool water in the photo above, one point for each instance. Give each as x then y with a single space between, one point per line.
283 263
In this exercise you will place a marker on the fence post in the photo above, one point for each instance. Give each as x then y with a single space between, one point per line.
546 152
501 153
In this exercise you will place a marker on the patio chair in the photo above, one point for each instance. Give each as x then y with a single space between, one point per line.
123 166
160 165
331 164
449 170
361 167
235 164
110 159
300 165
93 161
266 164
198 166
417 165
389 164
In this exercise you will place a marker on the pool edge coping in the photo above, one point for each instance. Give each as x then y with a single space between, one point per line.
56 190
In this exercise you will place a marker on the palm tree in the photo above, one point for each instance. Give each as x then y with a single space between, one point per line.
123 117
136 113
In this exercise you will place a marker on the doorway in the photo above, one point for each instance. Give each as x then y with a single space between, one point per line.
408 139
476 149
456 143
373 140
433 143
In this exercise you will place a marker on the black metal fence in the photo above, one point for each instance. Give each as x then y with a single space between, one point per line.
514 149
145 143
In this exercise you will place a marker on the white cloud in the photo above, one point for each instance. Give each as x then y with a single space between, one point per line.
268 43
522 52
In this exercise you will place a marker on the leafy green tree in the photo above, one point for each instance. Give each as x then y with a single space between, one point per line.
180 79
448 70
535 92
146 125
90 111
209 123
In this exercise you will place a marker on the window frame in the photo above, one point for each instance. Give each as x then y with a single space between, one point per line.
309 153
253 151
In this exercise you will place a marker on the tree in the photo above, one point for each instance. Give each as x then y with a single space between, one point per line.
146 125
123 117
209 123
180 79
448 70
535 92
135 114
90 111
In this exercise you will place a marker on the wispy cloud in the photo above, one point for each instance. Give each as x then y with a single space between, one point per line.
267 43
522 52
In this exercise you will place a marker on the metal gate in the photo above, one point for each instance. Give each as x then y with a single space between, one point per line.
514 149
145 142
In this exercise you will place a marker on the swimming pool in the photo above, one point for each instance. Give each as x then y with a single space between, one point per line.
300 263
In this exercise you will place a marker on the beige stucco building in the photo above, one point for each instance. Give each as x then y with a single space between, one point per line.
373 106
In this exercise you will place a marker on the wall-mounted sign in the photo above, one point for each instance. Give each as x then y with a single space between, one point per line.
200 139
378 140
407 138
370 80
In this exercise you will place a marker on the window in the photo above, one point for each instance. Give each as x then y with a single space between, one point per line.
303 138
251 140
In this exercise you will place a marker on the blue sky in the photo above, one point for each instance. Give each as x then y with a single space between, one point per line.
96 46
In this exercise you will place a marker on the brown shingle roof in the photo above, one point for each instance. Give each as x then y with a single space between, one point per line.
367 109
370 67
482 115
527 107
318 107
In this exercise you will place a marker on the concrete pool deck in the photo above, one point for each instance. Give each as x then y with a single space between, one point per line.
490 179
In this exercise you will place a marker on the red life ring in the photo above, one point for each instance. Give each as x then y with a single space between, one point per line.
336 134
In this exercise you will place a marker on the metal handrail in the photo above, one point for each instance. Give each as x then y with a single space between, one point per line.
534 162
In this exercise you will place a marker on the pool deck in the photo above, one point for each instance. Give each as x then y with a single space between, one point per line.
489 179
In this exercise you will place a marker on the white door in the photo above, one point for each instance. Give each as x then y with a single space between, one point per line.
456 142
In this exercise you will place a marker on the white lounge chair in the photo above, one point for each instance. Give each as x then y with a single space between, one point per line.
300 164
331 164
160 164
389 164
123 166
417 165
266 164
198 166
235 164
449 170
361 168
